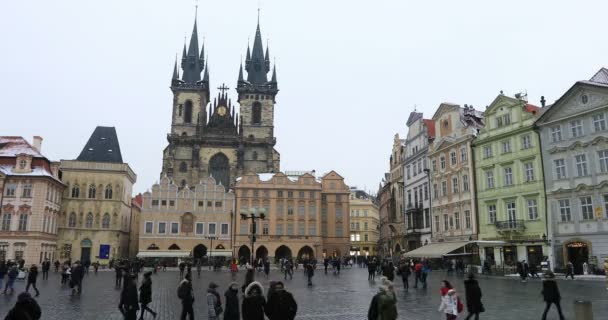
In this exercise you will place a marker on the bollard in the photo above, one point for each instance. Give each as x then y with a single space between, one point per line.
583 310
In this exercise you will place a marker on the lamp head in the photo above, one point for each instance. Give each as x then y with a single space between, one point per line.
262 216
243 216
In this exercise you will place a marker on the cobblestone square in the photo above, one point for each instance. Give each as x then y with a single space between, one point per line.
346 296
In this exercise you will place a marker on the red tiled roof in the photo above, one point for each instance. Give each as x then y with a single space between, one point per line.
532 108
11 146
138 200
430 125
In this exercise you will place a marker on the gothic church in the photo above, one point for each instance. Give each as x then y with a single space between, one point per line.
211 138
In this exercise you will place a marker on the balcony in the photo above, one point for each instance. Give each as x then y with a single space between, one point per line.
510 225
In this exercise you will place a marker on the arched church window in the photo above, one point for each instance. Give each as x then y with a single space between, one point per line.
105 222
256 117
92 191
108 194
219 169
183 183
75 191
188 112
183 167
89 221
179 110
72 220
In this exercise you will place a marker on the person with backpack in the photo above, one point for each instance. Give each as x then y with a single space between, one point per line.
254 302
280 305
12 274
25 308
32 275
551 294
129 304
145 295
473 294
186 294
214 302
450 305
232 302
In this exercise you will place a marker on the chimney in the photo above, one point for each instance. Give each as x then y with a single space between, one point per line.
37 143
542 101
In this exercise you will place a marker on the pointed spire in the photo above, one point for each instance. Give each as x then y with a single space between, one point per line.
274 74
184 52
206 75
267 56
257 66
175 74
241 73
248 57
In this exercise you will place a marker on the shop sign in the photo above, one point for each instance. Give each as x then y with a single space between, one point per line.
576 244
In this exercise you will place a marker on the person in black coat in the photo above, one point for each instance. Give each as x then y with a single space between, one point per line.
551 294
254 302
32 275
46 266
473 295
76 278
232 302
389 271
25 308
145 295
281 305
129 305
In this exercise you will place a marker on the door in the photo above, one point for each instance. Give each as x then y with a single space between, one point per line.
85 255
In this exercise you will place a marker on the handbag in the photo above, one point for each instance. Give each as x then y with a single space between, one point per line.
482 308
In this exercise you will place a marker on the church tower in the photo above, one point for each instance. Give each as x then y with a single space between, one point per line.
257 98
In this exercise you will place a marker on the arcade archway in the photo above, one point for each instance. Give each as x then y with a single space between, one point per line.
306 253
261 252
282 252
199 251
244 254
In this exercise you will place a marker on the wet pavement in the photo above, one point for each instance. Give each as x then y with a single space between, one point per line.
346 296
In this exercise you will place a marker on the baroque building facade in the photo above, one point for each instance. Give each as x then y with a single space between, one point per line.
211 139
397 191
453 191
305 216
573 132
96 215
509 181
364 224
30 201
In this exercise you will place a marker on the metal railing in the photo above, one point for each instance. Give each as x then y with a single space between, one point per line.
510 225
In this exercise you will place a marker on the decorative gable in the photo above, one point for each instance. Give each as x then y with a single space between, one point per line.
580 98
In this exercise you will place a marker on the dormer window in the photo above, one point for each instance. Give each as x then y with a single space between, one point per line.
22 164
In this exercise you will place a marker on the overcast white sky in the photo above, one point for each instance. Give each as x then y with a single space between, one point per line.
350 72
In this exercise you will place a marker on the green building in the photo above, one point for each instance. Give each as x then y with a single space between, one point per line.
509 181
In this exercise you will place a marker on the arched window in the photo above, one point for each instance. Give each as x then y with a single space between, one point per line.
188 112
183 167
108 194
219 168
179 110
23 222
72 220
105 222
75 191
92 191
256 117
89 220
183 183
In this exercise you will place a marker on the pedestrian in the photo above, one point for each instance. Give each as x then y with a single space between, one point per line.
418 273
383 305
371 270
522 271
533 271
449 301
76 278
26 308
186 294
57 264
32 275
280 305
249 278
128 304
65 272
214 302
404 271
96 267
288 269
46 266
310 272
119 274
266 267
254 303
3 271
145 295
389 271
570 270
199 267
326 264
232 302
13 272
182 267
551 294
472 292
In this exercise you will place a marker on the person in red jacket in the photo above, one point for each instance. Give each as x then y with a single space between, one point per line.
418 272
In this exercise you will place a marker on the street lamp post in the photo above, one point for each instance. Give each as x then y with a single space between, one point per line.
253 217
211 249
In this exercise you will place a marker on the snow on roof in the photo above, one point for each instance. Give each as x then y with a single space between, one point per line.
11 146
36 172
265 176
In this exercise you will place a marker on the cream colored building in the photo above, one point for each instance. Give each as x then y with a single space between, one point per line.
364 224
186 222
136 204
30 201
305 216
96 207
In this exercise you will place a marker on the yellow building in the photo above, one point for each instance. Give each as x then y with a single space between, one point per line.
304 216
96 207
30 200
364 224
193 221
136 204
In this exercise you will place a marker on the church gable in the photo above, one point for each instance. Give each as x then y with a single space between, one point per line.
580 98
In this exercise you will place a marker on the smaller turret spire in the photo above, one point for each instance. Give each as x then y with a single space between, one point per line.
175 74
247 57
241 73
274 73
267 57
206 75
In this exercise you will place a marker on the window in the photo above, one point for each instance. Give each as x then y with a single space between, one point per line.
75 191
507 119
279 194
508 176
446 222
455 184
419 165
434 165
155 203
290 194
560 168
487 152
10 190
311 195
453 158
280 209
279 229
290 209
426 191
506 146
188 112
444 188
6 222
467 219
490 179
211 230
576 127
312 229
437 223
435 191
525 142
511 212
564 210
301 210
265 229
301 229
105 221
256 113
224 229
92 191
532 209
414 171
312 211
442 161
603 157
244 227
301 194
529 169
22 164
338 230
599 122
108 192
463 155
89 221
290 229
183 167
499 122
323 212
149 227
408 172
465 183
556 134
456 220
606 204
586 208
162 227
366 237
492 213
72 220
581 165
339 213
175 227
27 191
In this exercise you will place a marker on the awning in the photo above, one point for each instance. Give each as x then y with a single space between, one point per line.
219 253
489 243
436 250
163 254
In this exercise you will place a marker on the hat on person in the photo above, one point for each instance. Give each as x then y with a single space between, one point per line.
212 285
549 275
